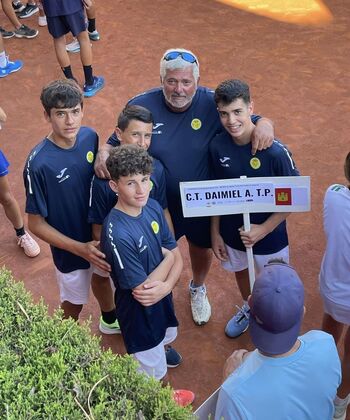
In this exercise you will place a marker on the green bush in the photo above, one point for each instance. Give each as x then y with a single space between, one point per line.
54 369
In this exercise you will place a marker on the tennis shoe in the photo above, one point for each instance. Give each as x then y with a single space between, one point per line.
29 245
91 90
200 306
239 323
173 358
109 328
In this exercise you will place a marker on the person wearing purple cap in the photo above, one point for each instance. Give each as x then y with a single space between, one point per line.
287 376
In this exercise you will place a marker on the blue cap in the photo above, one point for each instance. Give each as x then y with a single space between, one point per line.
276 308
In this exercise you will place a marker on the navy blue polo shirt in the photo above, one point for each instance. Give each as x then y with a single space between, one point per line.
230 160
57 183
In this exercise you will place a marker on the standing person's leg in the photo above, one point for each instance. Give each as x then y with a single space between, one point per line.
12 211
342 399
91 15
333 327
21 31
62 56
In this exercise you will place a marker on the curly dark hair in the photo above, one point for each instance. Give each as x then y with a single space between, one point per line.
127 160
65 93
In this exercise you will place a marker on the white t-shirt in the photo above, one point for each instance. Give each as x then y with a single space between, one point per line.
335 268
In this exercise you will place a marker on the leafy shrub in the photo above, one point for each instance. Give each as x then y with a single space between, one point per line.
54 369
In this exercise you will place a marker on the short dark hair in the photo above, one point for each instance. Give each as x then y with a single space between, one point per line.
230 90
134 112
347 167
65 93
127 160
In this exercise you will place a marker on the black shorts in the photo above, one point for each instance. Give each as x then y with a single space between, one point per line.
196 229
61 25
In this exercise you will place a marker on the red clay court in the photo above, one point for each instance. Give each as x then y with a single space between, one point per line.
299 78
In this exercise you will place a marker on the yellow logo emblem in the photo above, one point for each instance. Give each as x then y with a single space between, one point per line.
155 227
196 124
150 185
255 163
90 157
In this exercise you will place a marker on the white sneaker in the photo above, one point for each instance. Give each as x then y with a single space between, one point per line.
29 245
340 409
200 305
42 21
74 46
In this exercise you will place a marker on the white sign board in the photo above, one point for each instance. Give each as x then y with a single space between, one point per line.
245 195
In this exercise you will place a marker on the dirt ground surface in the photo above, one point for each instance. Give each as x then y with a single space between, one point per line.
299 78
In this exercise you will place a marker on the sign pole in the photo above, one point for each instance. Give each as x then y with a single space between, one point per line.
249 251
251 269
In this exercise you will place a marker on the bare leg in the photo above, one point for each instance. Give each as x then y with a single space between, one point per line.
200 263
10 13
10 204
85 48
70 310
61 53
344 388
333 327
242 278
102 290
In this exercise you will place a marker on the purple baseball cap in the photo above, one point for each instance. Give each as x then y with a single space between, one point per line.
276 308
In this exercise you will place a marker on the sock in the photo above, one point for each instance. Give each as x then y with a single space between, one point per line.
20 231
109 317
68 72
91 25
3 60
340 401
89 79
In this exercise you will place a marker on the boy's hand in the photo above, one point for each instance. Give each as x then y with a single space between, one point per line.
90 252
151 292
256 233
100 164
87 4
263 135
218 247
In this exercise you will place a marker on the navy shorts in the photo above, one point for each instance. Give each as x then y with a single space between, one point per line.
61 25
4 164
196 229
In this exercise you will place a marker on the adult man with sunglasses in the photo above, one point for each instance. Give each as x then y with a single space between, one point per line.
186 120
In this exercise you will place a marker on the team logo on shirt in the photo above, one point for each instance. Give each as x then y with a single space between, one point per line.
155 227
255 163
90 156
156 128
283 196
61 176
150 185
196 124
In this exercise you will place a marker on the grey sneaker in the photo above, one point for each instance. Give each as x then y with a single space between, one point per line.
25 32
6 34
340 409
200 306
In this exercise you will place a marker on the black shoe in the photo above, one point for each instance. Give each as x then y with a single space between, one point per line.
29 10
6 34
25 32
173 358
18 7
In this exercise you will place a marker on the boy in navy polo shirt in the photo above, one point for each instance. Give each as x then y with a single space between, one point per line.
145 261
57 178
231 158
134 126
68 16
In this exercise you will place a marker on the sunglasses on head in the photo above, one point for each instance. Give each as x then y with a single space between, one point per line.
186 56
